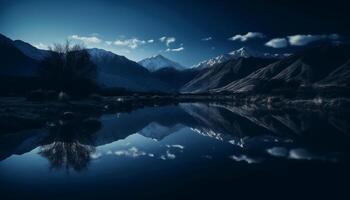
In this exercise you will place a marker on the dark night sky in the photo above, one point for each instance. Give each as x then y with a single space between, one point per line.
134 27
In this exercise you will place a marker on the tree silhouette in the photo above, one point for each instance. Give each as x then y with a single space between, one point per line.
69 68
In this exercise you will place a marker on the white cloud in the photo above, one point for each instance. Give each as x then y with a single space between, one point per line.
178 146
132 152
167 40
131 43
95 155
150 41
109 42
41 46
170 155
207 39
88 40
176 49
170 40
244 158
301 40
247 36
277 43
278 151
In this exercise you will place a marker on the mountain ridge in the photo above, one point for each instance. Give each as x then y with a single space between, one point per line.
157 62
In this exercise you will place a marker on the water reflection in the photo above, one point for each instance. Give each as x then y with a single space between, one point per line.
246 134
64 155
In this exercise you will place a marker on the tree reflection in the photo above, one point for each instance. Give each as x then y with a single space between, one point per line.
68 155
70 144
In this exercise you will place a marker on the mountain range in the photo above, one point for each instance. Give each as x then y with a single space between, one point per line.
321 65
241 71
243 52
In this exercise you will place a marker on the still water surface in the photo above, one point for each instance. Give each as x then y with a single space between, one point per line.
189 150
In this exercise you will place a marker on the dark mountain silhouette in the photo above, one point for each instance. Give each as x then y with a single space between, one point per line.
175 78
20 59
13 61
300 70
30 51
339 77
118 71
224 73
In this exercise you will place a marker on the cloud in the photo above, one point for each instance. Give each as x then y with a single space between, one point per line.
41 46
247 36
150 41
244 158
109 42
95 155
302 40
278 151
301 154
88 40
207 39
170 40
132 43
277 43
132 152
168 156
175 50
167 40
175 146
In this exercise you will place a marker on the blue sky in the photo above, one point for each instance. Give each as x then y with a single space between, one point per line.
185 31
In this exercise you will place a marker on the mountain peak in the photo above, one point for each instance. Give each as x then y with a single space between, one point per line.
243 52
158 56
158 61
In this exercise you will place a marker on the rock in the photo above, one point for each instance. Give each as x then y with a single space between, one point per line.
68 116
62 96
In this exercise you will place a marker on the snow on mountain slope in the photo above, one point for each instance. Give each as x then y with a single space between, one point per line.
158 62
243 52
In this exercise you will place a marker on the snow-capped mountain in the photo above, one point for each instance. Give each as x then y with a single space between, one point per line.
118 71
157 62
243 52
96 53
213 61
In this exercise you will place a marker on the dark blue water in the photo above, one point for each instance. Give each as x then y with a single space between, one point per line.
177 152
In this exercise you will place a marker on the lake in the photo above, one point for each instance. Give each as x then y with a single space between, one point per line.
190 150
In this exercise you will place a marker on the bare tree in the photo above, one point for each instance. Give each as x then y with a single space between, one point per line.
69 68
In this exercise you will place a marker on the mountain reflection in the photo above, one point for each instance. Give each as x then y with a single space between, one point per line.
254 133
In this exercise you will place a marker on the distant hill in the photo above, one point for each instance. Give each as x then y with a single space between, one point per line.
118 71
175 78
